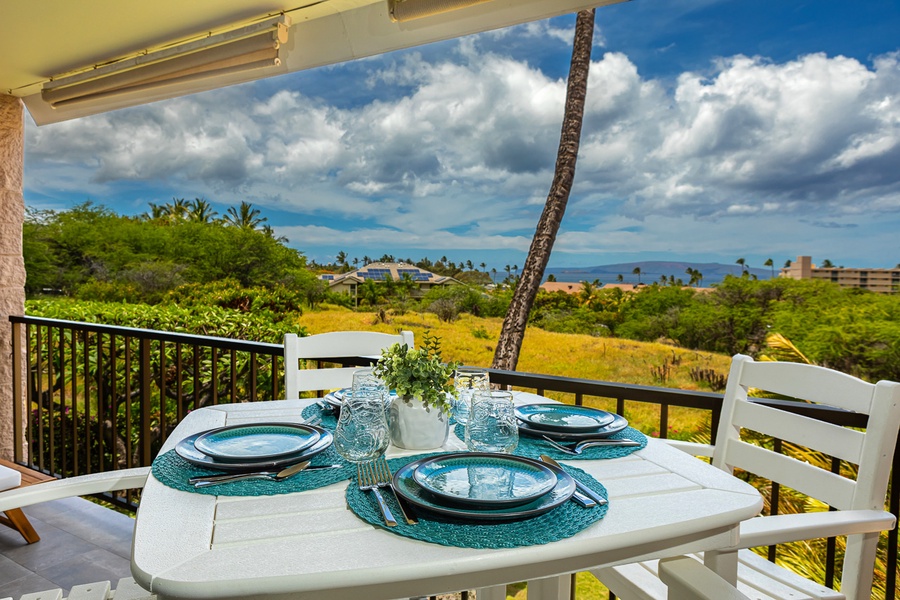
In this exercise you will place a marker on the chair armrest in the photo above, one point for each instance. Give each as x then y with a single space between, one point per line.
691 448
688 579
777 529
95 483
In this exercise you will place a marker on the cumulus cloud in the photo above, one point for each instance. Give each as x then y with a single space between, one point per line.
459 152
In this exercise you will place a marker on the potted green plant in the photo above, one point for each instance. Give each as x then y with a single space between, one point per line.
420 416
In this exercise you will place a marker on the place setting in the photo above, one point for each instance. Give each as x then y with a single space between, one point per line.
566 431
253 459
486 497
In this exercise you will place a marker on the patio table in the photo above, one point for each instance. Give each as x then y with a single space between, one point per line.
309 545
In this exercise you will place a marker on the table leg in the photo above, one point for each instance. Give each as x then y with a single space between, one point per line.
724 563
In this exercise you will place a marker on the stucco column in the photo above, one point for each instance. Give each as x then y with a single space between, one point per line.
12 265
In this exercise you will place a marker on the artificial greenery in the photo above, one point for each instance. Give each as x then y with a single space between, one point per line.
418 374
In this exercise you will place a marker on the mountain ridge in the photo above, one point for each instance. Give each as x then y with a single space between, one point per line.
653 270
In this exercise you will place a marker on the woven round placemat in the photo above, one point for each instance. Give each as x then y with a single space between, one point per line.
174 471
563 521
532 447
328 417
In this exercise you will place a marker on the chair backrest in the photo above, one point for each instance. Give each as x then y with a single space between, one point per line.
871 449
339 344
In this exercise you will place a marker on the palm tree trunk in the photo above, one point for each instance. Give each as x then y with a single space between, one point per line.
506 356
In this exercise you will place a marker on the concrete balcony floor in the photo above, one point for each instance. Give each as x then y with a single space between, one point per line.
81 542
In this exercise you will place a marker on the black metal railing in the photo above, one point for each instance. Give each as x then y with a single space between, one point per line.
99 397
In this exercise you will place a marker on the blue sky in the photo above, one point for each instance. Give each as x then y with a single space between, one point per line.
714 129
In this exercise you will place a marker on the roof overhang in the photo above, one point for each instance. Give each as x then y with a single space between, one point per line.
40 43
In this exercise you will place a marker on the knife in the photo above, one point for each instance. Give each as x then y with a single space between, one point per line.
600 500
277 475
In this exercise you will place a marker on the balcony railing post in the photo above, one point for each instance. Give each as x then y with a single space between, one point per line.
20 408
146 378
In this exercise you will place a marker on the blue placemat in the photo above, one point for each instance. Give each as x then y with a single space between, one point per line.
328 416
533 447
563 521
174 471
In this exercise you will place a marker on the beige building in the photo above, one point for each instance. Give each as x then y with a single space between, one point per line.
882 281
348 283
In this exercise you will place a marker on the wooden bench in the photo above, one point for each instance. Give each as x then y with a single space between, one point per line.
14 517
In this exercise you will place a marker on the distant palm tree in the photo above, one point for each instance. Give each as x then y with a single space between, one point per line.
637 271
245 217
179 209
620 278
770 263
827 264
469 265
341 258
201 211
743 264
267 229
483 267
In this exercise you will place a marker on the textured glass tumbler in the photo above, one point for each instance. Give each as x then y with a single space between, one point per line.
365 382
492 422
467 381
362 432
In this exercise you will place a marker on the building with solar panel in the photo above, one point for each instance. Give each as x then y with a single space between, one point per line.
347 283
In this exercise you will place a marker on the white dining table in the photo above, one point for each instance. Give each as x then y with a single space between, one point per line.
309 545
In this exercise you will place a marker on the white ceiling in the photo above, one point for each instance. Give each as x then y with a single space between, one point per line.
47 38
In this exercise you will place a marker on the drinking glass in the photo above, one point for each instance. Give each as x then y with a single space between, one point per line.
492 422
362 433
366 382
467 381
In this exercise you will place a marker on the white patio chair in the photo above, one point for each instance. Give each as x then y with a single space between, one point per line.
860 515
339 344
95 483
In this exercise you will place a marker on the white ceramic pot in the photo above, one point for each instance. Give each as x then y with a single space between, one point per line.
415 427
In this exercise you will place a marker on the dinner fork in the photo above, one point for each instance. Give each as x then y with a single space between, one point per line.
384 479
580 446
365 474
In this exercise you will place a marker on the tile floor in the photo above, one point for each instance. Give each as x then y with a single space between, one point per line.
81 542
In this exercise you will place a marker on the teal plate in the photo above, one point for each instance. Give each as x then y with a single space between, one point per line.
186 450
566 418
257 441
484 480
406 486
619 423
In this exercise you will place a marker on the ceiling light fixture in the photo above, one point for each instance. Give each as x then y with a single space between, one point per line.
407 10
247 48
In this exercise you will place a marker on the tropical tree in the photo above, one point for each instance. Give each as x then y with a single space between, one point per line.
506 355
827 264
620 278
637 271
245 217
267 229
483 267
771 264
201 211
743 264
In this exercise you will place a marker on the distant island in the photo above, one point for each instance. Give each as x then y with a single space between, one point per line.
652 271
